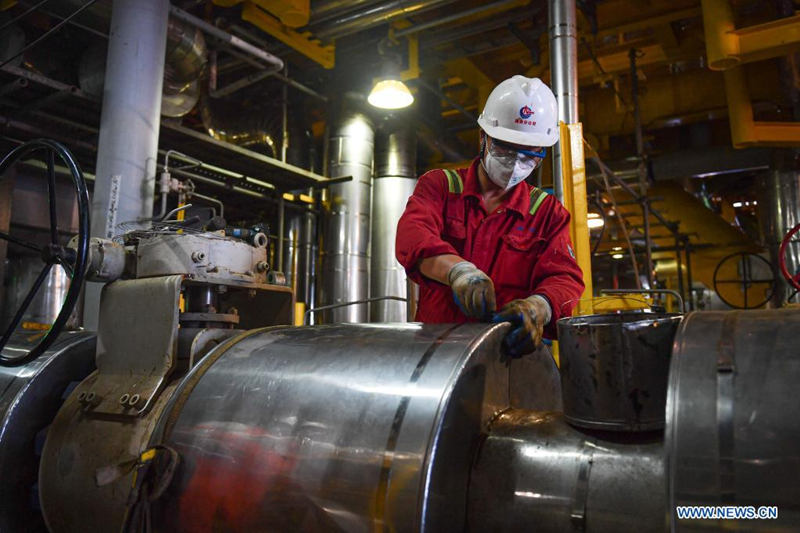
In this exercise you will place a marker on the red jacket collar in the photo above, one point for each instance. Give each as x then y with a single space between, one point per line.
517 199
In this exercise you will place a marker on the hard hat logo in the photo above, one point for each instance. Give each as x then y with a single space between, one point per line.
525 112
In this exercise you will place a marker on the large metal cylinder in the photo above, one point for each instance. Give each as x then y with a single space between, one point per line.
563 30
30 396
375 431
732 416
395 178
534 472
127 145
345 257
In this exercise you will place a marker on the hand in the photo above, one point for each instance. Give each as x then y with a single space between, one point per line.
473 290
527 318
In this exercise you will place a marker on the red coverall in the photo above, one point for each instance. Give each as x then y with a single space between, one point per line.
523 246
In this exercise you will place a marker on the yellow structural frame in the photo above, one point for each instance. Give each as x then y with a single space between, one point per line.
727 49
303 43
573 175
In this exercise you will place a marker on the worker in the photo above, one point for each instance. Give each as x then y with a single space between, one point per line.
481 239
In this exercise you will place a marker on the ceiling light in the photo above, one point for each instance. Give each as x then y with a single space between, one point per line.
617 248
595 221
617 256
737 204
390 94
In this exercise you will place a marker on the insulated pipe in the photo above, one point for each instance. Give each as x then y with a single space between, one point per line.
128 141
563 72
395 179
275 63
345 256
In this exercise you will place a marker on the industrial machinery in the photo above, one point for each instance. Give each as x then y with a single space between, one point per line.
208 411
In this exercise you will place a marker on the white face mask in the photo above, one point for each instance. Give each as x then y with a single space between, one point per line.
506 172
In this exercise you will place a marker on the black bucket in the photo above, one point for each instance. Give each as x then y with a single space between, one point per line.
614 369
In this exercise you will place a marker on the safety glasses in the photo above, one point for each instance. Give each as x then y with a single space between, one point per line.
503 149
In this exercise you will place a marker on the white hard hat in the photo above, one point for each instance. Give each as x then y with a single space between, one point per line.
523 111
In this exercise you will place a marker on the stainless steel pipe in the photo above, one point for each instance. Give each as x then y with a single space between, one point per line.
338 428
563 29
395 179
536 472
346 241
733 419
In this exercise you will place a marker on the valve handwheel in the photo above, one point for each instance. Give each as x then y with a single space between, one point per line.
72 259
749 271
794 280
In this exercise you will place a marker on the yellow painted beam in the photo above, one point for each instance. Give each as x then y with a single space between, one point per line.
620 61
727 47
649 22
303 43
292 13
573 173
745 131
472 76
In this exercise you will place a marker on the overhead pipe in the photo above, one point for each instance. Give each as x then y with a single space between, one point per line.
563 31
500 4
275 63
373 16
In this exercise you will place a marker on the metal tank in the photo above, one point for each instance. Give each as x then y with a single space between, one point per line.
345 255
614 369
395 179
30 396
733 417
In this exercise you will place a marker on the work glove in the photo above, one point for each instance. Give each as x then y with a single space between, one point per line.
473 290
527 318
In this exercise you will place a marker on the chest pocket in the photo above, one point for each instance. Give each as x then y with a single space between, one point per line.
518 256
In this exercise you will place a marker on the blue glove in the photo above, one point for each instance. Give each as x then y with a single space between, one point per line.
527 318
473 290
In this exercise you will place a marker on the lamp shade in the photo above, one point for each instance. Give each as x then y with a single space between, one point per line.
390 94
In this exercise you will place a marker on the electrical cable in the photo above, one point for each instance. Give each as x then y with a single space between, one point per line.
30 10
48 32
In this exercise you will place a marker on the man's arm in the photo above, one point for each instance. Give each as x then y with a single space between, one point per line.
429 258
557 275
418 244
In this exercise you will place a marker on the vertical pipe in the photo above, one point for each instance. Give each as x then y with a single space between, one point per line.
345 256
281 231
778 212
689 290
679 267
563 72
395 178
129 123
641 167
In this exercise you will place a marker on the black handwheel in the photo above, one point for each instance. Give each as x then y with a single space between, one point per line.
747 277
73 260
